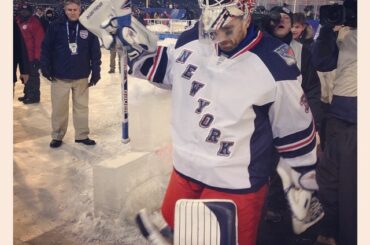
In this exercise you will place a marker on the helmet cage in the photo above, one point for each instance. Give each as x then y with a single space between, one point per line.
216 3
217 13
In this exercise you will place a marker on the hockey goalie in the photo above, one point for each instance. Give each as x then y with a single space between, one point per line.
236 101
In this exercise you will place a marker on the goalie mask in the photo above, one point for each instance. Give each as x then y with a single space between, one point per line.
218 13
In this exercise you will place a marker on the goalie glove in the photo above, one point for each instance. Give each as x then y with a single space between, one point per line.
104 17
107 37
299 188
138 40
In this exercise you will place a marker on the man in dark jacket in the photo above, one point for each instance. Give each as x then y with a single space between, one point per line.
33 34
47 18
337 170
69 54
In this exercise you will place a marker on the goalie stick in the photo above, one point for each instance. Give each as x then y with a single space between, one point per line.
101 17
124 80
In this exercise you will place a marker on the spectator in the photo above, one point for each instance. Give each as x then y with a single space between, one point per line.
147 17
69 54
47 18
33 35
302 32
39 13
337 171
20 57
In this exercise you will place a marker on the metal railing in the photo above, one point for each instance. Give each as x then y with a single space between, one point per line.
168 25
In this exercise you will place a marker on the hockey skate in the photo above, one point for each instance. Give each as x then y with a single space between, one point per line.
149 230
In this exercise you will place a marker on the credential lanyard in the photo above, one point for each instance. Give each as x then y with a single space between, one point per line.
77 26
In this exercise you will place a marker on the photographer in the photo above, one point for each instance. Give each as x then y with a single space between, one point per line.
337 170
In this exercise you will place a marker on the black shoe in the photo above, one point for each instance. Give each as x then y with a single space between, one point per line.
86 141
30 101
22 98
111 71
55 143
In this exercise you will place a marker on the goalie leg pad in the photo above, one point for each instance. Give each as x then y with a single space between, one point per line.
207 221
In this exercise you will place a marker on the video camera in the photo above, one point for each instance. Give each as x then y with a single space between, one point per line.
333 15
268 20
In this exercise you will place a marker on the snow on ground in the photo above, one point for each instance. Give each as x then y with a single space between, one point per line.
53 188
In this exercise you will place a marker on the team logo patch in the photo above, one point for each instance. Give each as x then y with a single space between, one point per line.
84 34
304 103
286 53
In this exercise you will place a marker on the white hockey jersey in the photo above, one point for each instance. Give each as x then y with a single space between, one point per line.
231 114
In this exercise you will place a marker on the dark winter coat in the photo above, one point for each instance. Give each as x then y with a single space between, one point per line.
46 20
56 58
311 84
20 56
307 35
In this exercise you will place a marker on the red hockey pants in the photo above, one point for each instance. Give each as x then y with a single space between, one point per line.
249 206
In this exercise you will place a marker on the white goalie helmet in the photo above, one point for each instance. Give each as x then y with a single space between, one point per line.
217 13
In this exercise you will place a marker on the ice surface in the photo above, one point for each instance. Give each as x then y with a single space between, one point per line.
53 188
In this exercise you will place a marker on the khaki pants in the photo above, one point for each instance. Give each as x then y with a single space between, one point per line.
60 107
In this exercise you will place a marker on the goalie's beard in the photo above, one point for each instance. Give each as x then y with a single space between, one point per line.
222 40
226 45
230 36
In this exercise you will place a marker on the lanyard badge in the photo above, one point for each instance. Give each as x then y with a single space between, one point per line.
73 47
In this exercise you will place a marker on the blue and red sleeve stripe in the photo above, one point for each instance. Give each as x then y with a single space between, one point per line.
155 68
297 144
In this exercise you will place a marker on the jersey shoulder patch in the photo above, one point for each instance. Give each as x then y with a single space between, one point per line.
278 57
286 53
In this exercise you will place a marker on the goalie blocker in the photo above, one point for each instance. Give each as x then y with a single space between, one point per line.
207 222
300 190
